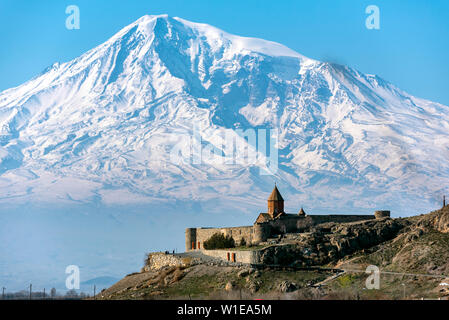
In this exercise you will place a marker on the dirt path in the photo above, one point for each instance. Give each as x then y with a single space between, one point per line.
333 277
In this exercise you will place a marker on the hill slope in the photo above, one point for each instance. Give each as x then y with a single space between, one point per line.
412 265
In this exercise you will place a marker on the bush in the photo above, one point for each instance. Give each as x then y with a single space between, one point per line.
147 260
219 241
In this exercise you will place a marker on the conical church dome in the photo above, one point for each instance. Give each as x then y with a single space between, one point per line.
275 203
275 195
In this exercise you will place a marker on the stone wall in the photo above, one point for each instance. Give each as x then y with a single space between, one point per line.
241 256
239 233
341 218
158 260
294 223
195 237
260 232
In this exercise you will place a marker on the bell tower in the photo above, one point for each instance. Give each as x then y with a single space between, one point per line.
275 203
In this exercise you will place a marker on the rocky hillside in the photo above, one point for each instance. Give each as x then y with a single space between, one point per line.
329 262
329 242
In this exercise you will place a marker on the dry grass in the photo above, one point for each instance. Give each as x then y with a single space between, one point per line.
177 275
244 294
186 261
168 276
159 280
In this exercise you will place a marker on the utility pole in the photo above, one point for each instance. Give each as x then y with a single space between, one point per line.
3 293
404 289
95 288
31 286
44 293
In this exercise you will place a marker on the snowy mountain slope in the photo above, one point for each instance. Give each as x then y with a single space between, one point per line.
102 127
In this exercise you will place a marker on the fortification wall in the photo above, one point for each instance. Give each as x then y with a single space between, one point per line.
158 260
190 238
195 237
238 256
239 233
260 232
340 218
295 223
288 224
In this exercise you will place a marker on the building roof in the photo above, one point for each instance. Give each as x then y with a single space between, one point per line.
263 217
302 212
275 195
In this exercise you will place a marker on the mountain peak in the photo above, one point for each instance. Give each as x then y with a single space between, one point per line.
102 125
148 24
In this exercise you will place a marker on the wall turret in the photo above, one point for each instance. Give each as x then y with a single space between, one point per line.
190 239
261 232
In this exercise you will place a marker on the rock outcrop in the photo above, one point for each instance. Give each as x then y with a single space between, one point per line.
441 219
331 242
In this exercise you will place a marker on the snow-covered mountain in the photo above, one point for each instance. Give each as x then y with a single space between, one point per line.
101 128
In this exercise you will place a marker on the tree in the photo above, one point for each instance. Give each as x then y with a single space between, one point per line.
71 294
53 293
219 241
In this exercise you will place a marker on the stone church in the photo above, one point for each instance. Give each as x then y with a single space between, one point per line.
270 224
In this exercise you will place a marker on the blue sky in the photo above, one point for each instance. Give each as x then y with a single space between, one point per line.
410 49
